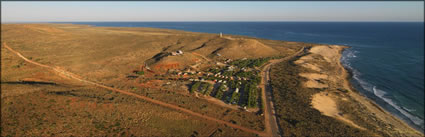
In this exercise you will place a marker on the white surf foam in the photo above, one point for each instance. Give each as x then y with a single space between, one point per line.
345 60
410 110
381 94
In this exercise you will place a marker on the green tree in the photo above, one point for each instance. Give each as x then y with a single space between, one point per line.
140 72
204 87
195 87
220 91
235 97
209 89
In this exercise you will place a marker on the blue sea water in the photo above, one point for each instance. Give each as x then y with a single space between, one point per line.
386 58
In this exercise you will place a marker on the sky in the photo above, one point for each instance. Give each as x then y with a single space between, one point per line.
43 11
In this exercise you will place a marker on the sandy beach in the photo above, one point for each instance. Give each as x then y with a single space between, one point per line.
329 74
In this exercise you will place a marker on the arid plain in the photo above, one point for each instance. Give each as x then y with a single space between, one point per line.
64 79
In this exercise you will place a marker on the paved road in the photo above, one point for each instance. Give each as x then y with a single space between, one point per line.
271 124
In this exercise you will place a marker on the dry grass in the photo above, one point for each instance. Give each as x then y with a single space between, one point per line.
57 106
107 55
68 108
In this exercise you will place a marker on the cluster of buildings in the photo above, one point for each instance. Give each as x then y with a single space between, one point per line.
200 79
215 77
187 72
219 77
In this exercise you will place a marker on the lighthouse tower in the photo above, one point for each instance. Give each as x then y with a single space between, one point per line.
221 35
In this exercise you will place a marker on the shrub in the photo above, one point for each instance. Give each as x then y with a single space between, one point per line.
140 72
204 87
220 91
195 87
209 89
235 97
343 90
295 115
252 96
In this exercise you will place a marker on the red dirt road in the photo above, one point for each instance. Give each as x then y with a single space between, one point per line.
79 78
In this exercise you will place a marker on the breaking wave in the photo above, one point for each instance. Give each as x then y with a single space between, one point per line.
381 94
348 55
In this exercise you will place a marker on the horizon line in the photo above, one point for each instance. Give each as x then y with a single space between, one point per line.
190 21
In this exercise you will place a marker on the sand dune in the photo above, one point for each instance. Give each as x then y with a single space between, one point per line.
328 107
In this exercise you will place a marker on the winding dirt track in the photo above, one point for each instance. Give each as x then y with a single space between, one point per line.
77 77
202 56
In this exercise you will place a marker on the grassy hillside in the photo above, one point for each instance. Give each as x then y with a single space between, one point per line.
102 52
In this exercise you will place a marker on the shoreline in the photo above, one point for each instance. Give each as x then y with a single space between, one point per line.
348 76
359 97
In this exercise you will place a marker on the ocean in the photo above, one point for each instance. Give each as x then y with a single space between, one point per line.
386 58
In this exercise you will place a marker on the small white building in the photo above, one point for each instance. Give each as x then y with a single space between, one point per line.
175 53
230 68
228 60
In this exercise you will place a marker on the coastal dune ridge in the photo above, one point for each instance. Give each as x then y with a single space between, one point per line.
327 105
